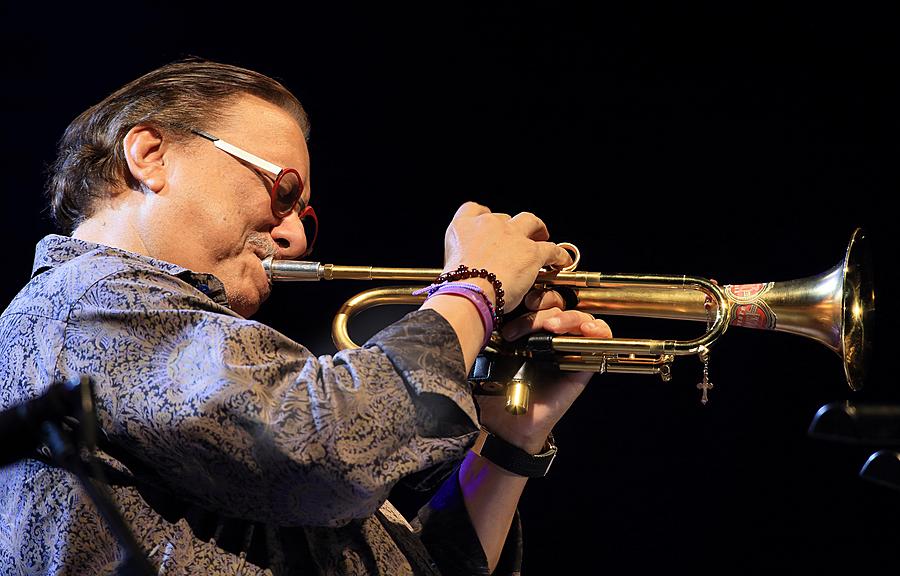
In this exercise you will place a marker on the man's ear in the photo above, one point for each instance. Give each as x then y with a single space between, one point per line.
144 149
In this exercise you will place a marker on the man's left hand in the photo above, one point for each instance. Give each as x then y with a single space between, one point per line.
554 391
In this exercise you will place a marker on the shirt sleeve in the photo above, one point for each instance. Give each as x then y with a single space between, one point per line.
446 530
238 418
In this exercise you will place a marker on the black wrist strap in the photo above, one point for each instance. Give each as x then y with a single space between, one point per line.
512 458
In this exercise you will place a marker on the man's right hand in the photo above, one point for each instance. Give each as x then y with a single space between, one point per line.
513 248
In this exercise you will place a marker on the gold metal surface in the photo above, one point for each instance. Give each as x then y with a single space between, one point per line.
518 397
832 308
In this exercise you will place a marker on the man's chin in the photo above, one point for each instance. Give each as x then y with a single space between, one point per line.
264 294
247 302
247 285
245 307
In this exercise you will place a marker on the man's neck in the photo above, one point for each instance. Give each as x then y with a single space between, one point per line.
114 228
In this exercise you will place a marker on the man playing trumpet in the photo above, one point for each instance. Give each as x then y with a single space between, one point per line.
236 449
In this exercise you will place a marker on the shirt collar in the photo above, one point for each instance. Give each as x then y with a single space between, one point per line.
55 250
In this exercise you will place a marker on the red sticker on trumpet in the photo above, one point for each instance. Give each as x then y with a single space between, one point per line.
747 293
756 315
749 309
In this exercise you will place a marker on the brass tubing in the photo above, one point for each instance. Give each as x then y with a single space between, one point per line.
612 345
303 271
631 369
403 295
389 295
832 307
334 272
646 301
808 307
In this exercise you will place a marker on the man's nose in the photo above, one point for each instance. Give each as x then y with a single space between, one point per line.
290 238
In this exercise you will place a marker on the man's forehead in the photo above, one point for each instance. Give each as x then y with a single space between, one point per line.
254 117
263 128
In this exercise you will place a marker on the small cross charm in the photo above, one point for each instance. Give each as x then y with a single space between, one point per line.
705 386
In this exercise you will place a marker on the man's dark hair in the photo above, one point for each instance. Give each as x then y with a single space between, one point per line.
187 94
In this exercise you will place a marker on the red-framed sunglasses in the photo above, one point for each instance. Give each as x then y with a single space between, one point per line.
287 188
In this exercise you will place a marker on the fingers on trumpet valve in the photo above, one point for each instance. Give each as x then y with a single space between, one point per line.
556 321
531 226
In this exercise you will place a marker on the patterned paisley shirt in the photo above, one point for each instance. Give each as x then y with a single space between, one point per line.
230 448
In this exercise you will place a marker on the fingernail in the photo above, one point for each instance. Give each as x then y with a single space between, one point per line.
553 323
590 326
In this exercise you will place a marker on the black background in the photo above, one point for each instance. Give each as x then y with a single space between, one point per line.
738 142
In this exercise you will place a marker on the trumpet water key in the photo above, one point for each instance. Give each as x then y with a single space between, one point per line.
834 308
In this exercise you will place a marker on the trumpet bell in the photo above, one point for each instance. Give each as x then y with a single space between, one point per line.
836 307
857 310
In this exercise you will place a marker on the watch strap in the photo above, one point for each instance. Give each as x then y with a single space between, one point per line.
512 458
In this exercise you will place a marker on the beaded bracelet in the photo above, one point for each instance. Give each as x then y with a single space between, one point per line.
463 272
473 294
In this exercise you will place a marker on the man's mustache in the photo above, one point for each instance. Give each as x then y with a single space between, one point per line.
264 243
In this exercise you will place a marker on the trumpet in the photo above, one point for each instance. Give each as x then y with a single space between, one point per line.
833 308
